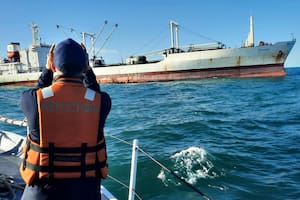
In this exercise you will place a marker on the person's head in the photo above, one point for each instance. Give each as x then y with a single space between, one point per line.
69 57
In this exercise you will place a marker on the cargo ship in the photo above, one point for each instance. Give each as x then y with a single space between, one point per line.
194 61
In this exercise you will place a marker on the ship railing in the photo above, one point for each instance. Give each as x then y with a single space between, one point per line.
203 47
186 48
10 68
16 68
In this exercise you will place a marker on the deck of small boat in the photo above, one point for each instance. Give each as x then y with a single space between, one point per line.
11 183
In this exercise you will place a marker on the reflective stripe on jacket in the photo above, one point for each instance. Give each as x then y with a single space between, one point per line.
68 119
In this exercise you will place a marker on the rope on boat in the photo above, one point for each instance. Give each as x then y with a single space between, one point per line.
12 121
9 98
121 140
124 185
8 187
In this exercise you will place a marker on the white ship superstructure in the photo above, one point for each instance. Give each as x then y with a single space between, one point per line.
24 65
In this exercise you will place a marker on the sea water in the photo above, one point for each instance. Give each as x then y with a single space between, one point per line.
230 138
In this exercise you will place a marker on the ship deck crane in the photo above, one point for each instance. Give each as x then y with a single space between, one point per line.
107 38
92 36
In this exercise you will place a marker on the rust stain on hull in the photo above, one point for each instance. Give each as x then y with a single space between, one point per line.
245 71
250 71
20 83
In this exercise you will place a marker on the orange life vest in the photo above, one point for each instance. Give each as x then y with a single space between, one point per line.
68 119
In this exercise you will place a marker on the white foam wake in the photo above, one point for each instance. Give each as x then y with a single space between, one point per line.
191 164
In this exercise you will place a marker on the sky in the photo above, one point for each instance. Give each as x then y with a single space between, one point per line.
143 25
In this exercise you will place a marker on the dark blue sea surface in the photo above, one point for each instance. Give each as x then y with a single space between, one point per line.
231 138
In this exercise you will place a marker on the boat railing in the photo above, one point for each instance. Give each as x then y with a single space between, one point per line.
135 149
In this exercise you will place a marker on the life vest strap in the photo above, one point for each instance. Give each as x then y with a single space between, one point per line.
89 167
82 159
51 161
67 150
26 154
59 154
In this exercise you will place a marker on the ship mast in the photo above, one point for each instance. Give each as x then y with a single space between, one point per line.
174 29
250 39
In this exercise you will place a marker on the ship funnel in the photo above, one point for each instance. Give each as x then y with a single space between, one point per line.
250 40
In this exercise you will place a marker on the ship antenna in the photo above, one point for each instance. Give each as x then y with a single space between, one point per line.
34 30
293 37
174 29
250 39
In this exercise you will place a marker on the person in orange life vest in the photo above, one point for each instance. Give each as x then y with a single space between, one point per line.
65 154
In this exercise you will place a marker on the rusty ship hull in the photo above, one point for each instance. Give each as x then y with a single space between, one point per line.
264 60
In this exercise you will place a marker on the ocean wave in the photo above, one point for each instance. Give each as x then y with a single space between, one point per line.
191 164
